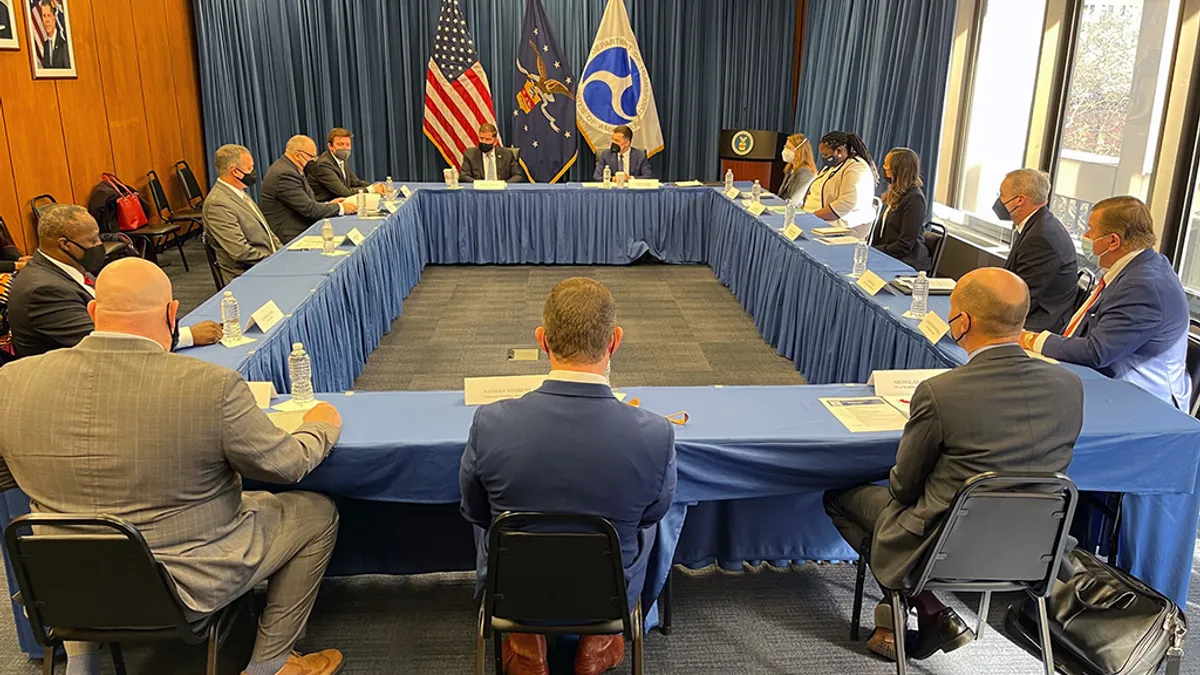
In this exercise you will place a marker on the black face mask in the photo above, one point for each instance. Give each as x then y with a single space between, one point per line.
614 149
1000 208
962 334
831 160
174 329
92 260
485 147
248 178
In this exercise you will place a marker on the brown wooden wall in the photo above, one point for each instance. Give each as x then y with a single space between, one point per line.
134 107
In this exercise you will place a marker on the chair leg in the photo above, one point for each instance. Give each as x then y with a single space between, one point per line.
214 648
498 648
118 658
48 660
859 580
1114 542
179 245
1044 628
664 604
899 623
479 644
638 635
984 604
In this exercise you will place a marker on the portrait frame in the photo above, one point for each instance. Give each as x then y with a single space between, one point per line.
63 53
10 25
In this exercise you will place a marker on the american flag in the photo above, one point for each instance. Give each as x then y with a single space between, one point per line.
457 95
35 18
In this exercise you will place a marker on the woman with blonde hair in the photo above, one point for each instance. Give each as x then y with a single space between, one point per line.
800 170
903 232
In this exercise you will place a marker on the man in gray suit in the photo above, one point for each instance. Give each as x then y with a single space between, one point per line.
236 228
174 468
287 198
1001 411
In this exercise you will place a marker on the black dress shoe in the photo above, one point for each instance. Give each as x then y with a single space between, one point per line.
943 632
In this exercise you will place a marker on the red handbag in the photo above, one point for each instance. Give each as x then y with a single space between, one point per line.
130 214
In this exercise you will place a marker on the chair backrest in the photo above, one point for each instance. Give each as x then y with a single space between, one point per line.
1193 366
188 183
935 243
1084 286
90 573
39 204
1002 528
161 206
561 568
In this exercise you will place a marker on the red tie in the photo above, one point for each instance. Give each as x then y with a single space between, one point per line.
89 280
1083 312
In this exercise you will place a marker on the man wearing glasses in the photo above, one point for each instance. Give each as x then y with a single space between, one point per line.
287 199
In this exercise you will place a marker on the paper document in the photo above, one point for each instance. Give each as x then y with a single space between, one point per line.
312 242
865 413
336 252
643 184
901 382
287 421
600 185
291 405
901 403
831 230
482 390
228 342
490 185
688 183
936 286
836 241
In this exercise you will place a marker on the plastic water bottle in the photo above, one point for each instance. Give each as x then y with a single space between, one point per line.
728 180
360 200
607 176
300 371
389 190
756 192
860 258
920 296
328 245
231 322
789 214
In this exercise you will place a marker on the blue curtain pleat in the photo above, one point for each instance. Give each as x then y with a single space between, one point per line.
877 68
270 69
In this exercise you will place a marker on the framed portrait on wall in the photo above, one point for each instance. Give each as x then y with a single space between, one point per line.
50 45
9 32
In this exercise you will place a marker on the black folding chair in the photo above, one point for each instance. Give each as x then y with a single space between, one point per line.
211 255
192 193
189 220
1084 286
94 579
554 574
935 243
115 247
40 203
1004 532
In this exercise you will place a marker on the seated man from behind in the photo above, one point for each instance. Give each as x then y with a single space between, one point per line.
118 425
331 175
288 201
235 227
48 300
1001 411
571 447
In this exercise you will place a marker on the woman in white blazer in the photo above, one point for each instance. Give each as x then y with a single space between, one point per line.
843 192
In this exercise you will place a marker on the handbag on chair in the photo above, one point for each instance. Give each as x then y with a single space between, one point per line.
130 214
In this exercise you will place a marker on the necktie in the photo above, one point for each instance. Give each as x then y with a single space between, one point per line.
263 221
49 51
1075 320
490 163
625 164
89 280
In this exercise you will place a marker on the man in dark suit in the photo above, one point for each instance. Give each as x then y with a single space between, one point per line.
330 174
622 159
489 160
287 199
47 303
571 447
1134 327
55 54
1042 252
1001 411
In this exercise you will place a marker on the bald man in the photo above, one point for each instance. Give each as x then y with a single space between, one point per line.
287 199
119 425
1001 411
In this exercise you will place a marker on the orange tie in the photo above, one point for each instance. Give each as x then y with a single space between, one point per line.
1083 312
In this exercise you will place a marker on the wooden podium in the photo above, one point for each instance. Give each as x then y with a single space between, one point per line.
753 155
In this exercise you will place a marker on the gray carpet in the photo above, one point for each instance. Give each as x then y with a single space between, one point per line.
682 328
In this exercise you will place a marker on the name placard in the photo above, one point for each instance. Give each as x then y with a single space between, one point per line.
490 185
265 317
870 282
792 232
355 237
404 190
483 390
933 327
733 193
757 209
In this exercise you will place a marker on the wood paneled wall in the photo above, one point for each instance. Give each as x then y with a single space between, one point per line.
134 107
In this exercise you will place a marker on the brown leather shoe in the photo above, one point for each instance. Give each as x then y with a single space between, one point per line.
524 654
598 653
327 662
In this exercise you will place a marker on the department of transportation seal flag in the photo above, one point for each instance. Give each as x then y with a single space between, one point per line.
458 97
614 88
544 116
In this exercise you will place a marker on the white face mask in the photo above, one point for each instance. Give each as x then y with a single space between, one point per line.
788 155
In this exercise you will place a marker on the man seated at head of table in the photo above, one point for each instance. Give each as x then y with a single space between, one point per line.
331 175
489 160
287 198
572 447
233 223
84 426
1134 326
622 159
1000 411
48 300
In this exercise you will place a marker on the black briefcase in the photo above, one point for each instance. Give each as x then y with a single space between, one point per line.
1104 621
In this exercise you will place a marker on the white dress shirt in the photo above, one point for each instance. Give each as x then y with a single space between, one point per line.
576 376
623 162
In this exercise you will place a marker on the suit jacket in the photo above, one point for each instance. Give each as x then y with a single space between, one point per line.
848 189
1043 255
1137 331
237 230
1001 411
59 56
507 167
174 470
46 309
327 180
795 184
288 202
903 235
572 448
639 164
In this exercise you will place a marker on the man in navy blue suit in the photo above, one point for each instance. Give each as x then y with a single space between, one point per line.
1134 327
622 158
572 447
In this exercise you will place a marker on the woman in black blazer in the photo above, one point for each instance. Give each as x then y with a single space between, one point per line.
11 258
903 235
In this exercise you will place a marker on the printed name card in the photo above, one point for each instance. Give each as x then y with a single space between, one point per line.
263 393
870 282
643 184
265 317
733 193
757 209
901 382
792 232
688 183
490 185
355 237
933 327
391 206
483 390
404 190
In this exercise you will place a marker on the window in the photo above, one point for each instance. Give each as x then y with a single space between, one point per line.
1189 264
1114 105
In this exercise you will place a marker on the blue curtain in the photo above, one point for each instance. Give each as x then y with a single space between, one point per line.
877 68
273 68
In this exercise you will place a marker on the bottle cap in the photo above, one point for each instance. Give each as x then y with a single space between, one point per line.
297 345
229 294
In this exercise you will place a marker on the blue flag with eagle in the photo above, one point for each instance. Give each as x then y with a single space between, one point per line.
544 116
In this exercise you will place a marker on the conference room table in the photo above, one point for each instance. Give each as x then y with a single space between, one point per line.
753 461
